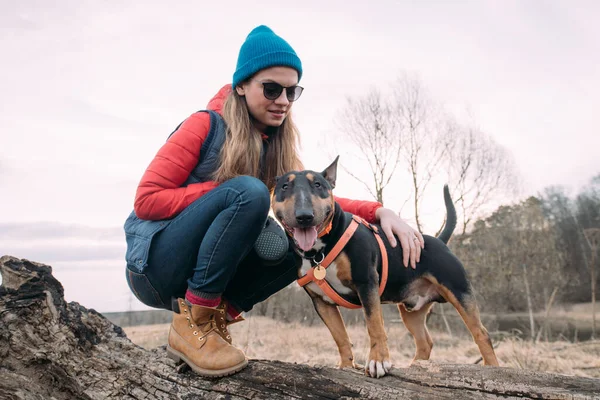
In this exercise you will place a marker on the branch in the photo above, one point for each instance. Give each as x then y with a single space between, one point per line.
361 181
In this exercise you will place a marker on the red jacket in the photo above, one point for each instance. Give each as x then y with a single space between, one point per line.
160 195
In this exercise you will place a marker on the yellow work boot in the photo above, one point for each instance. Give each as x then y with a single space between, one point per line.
222 323
195 340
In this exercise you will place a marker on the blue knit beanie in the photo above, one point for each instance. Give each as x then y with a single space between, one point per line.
263 49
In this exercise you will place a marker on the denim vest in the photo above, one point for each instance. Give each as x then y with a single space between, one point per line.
139 232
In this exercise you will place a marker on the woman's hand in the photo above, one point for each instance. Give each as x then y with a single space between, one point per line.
411 240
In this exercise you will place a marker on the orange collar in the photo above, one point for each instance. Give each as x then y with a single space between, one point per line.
327 229
330 224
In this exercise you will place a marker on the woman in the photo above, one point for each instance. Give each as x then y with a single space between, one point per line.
203 202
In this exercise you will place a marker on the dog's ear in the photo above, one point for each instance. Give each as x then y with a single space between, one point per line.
330 173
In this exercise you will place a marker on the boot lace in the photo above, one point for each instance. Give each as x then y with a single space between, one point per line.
211 322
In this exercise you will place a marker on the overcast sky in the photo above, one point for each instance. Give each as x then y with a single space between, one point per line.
90 90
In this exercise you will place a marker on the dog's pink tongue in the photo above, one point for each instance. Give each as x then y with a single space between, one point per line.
305 237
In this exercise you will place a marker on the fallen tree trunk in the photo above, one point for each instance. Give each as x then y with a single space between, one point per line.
53 350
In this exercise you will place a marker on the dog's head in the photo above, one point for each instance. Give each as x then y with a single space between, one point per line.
303 203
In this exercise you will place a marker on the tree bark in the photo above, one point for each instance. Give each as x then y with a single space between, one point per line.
50 349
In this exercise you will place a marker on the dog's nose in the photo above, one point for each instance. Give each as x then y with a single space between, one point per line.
304 217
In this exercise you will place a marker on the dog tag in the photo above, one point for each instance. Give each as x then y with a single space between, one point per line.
319 272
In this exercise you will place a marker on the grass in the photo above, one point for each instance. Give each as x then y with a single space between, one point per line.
264 338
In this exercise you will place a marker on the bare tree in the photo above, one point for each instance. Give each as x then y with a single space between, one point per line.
479 170
566 216
370 125
592 235
405 127
426 143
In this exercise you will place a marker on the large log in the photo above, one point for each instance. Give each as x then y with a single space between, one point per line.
53 350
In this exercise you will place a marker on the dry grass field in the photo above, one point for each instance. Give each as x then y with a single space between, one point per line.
264 338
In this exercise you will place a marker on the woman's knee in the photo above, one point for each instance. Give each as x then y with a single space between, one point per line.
253 191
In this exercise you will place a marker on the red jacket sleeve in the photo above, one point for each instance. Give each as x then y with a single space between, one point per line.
159 194
364 209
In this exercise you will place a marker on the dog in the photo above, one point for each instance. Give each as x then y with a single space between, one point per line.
303 203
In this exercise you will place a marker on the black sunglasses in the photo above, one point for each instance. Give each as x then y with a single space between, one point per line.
272 91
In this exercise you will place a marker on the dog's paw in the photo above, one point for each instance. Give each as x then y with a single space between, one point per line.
350 365
377 369
379 360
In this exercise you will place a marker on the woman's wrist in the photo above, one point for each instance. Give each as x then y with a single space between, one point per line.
378 212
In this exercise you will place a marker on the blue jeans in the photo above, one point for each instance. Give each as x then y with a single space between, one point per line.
208 248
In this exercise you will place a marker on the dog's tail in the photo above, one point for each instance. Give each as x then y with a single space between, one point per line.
450 217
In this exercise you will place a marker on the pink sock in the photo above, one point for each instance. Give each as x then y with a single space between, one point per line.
232 312
203 299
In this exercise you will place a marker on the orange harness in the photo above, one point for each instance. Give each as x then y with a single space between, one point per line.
322 266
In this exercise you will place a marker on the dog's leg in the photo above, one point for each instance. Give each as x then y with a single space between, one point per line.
470 315
330 314
415 322
378 363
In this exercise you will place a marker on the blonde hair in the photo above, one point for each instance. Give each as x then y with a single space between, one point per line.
241 152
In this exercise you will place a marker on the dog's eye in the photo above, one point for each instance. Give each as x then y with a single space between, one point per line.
317 184
284 186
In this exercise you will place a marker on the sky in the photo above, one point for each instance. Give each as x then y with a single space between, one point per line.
90 90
